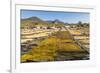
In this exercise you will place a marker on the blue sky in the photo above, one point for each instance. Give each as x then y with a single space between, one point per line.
67 17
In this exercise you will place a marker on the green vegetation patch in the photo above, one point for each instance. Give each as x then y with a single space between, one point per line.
48 49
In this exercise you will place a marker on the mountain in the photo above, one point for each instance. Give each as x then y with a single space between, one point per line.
56 21
35 21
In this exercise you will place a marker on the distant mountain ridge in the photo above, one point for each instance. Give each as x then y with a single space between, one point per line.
36 19
56 21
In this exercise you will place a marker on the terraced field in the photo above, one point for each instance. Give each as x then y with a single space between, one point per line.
57 45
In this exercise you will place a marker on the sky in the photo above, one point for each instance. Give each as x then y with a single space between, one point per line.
67 17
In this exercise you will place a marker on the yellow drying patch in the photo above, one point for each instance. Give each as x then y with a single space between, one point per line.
26 57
